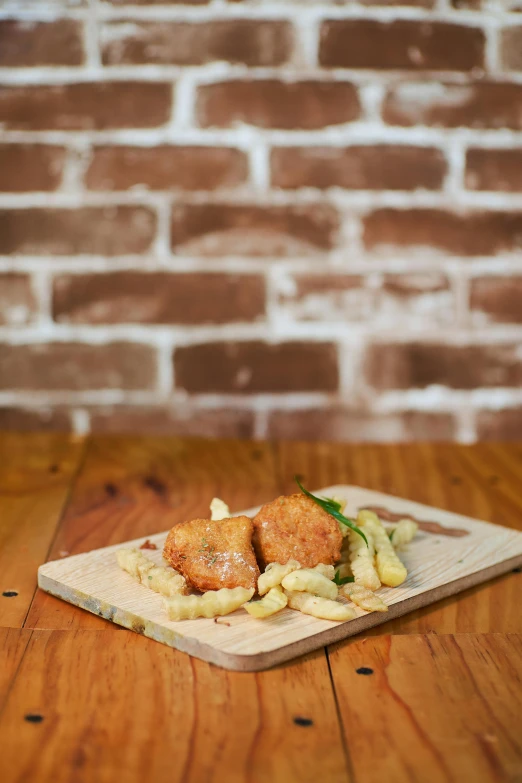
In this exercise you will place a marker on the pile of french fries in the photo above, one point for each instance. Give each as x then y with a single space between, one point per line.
364 567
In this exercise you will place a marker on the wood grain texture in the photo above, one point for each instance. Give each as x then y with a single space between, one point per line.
117 706
130 487
13 642
483 481
438 566
36 471
438 709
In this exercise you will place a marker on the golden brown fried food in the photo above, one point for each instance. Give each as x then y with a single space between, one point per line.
212 554
294 527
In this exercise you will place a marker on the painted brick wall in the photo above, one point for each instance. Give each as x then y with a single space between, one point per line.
272 218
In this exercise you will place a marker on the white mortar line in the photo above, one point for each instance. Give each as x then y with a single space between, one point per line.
259 164
81 421
92 50
361 132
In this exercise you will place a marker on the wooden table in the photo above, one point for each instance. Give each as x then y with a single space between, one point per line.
83 700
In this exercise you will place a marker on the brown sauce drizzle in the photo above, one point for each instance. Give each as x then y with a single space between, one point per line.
429 527
148 545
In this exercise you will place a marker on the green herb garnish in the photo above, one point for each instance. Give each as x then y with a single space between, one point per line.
333 503
333 509
344 581
208 551
390 534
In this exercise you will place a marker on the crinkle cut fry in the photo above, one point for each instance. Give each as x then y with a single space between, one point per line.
363 597
391 570
310 581
322 608
272 602
327 571
162 579
403 533
213 603
219 510
361 559
274 575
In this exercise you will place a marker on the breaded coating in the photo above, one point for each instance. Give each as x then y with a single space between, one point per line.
293 527
212 554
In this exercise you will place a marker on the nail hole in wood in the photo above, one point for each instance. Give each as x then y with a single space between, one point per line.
456 480
157 486
303 721
54 469
111 490
364 670
10 593
33 718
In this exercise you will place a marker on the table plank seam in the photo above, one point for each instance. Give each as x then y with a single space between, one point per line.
81 461
347 757
16 672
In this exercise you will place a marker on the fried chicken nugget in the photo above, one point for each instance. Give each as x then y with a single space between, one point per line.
294 527
212 554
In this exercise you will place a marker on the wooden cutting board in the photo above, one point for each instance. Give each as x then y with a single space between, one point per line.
450 553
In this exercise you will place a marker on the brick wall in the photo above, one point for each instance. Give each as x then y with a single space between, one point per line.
266 218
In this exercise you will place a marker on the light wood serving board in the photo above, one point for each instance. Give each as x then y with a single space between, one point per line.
439 565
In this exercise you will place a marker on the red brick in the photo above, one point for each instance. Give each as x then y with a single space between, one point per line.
27 43
490 169
77 366
375 3
426 297
500 425
400 44
248 41
511 48
85 106
256 367
166 168
31 420
467 234
157 2
28 167
253 230
496 300
467 5
269 103
159 298
359 426
477 105
384 167
327 297
181 420
17 303
106 231
418 365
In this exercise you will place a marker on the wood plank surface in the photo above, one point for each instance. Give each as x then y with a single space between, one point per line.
36 471
436 709
131 487
439 565
116 706
13 642
483 481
